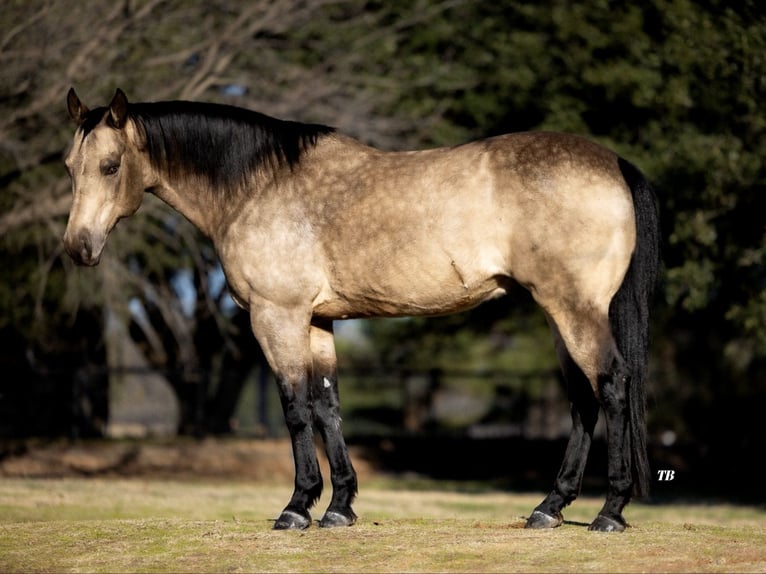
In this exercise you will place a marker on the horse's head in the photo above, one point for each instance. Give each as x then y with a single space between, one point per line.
107 179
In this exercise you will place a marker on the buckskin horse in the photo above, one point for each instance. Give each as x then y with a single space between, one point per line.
312 226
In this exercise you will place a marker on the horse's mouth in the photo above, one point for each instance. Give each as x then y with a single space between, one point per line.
91 262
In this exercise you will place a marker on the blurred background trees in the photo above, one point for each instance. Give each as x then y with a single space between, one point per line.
676 87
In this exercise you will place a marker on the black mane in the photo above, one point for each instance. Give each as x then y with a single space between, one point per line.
223 144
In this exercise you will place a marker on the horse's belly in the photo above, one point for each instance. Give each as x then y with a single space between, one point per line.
415 297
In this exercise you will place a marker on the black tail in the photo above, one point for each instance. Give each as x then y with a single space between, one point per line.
629 316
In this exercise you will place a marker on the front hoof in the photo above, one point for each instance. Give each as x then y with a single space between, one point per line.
606 524
539 519
331 519
291 520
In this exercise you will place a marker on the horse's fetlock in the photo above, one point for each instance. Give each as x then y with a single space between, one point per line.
310 492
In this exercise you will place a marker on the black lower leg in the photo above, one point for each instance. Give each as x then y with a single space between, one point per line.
343 477
613 389
569 480
308 479
584 409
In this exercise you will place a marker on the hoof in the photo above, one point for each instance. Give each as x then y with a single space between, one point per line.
606 524
541 520
331 519
291 520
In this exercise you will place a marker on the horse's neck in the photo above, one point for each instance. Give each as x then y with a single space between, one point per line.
190 202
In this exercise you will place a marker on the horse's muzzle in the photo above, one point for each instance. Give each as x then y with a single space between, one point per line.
80 248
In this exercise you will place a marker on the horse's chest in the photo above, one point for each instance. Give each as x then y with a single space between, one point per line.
277 267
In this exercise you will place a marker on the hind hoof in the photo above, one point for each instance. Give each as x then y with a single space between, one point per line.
606 524
332 519
291 520
539 519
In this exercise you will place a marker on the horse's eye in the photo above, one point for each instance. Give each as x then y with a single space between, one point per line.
110 168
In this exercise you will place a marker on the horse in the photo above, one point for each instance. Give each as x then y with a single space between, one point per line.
312 226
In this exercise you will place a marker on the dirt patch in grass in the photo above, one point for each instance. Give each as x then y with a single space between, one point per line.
260 460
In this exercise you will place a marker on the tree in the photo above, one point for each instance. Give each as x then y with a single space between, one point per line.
677 88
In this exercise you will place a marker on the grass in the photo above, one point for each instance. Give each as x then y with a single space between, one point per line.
136 525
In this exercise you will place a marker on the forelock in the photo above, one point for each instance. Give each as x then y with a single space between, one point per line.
92 119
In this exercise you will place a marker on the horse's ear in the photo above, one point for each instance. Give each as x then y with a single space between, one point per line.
118 109
77 109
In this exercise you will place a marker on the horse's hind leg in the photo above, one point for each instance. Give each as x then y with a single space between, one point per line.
324 386
613 389
584 410
586 333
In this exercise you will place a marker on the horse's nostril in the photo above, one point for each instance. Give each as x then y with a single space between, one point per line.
86 246
79 247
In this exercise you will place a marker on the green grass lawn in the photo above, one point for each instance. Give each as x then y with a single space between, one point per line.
137 525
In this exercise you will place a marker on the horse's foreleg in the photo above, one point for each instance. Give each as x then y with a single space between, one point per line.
308 479
284 338
328 422
584 408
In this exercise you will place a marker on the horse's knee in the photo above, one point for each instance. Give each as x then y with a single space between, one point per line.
297 415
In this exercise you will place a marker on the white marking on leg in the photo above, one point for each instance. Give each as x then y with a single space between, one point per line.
327 383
